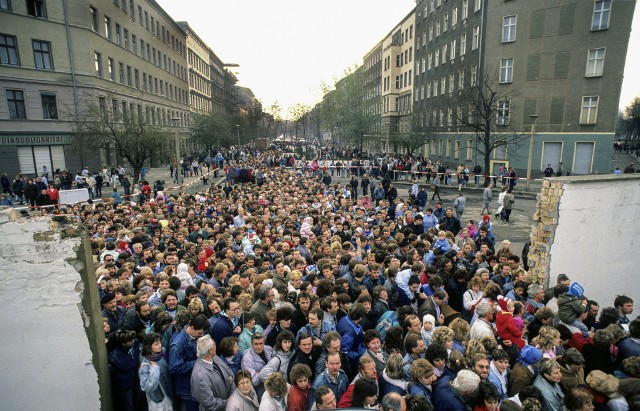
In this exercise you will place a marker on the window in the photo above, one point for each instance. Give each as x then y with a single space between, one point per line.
118 35
98 62
454 17
506 70
465 9
435 88
453 50
477 5
449 118
146 20
8 50
137 78
429 60
126 39
595 63
474 75
124 5
49 106
42 54
429 90
589 111
107 27
463 44
601 13
508 29
132 9
452 83
461 79
144 81
431 32
503 113
445 23
475 43
443 86
111 69
15 101
102 103
140 15
36 8
134 44
129 80
436 61
437 28
444 53
121 72
5 5
94 19
142 54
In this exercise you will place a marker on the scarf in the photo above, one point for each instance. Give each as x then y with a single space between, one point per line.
155 357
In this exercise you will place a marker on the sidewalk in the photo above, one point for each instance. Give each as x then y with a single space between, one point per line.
187 184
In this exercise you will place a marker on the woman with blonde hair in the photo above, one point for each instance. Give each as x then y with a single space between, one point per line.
460 330
443 336
547 340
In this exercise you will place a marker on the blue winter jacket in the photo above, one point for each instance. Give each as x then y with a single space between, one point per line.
351 340
338 387
445 398
182 358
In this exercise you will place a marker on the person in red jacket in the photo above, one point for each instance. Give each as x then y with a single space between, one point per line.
366 370
506 324
53 194
298 397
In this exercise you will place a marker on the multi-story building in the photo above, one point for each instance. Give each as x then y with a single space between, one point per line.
372 95
198 58
559 63
397 77
56 58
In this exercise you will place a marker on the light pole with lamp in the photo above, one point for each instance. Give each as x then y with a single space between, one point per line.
238 133
533 118
175 121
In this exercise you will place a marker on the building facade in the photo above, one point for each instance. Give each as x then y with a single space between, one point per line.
372 84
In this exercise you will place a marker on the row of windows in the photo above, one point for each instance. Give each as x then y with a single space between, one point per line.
151 114
447 118
145 20
35 8
18 108
122 38
197 63
9 54
131 77
594 66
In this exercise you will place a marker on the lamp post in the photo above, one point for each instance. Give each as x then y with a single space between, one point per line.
238 133
533 118
176 123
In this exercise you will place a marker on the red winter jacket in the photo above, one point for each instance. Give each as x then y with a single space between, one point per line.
507 329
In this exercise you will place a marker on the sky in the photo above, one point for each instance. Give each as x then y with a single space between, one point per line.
287 48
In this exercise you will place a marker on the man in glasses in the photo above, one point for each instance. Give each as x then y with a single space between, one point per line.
226 324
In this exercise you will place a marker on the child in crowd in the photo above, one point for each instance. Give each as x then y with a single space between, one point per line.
428 322
506 324
571 305
442 242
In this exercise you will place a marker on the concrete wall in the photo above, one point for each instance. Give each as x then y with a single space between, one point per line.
587 228
53 352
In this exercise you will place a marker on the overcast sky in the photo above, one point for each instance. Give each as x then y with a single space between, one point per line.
286 48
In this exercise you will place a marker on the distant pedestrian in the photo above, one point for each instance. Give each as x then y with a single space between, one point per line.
486 199
548 172
459 204
508 201
436 189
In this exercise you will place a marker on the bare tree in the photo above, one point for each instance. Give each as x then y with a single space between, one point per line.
484 107
133 137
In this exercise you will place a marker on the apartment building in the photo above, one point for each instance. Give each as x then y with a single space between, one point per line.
556 56
59 57
397 77
199 64
372 84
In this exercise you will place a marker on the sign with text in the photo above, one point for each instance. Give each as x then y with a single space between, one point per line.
33 140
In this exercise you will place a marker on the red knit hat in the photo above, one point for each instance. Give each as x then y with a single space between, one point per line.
503 302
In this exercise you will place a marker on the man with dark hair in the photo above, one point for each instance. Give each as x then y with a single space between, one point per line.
630 347
254 360
332 377
139 317
114 314
450 222
226 325
352 334
331 344
182 358
592 313
301 314
283 322
624 305
306 353
263 304
316 327
325 398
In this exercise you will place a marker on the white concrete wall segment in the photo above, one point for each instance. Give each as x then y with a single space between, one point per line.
45 355
597 240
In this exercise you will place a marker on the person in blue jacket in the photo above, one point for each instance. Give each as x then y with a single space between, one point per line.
182 358
454 394
352 334
123 367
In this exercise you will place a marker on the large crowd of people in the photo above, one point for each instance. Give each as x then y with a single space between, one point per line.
278 290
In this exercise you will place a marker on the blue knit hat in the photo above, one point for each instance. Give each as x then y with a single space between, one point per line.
576 290
529 355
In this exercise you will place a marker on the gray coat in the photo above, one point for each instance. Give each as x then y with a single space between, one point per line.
238 401
486 195
211 384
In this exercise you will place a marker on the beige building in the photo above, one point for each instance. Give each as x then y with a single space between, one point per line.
58 58
397 77
199 71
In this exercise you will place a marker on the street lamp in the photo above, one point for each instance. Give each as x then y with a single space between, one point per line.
533 118
238 133
175 121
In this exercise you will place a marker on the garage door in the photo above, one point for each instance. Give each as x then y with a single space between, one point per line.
551 154
583 159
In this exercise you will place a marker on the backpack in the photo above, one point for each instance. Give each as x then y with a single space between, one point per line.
386 321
